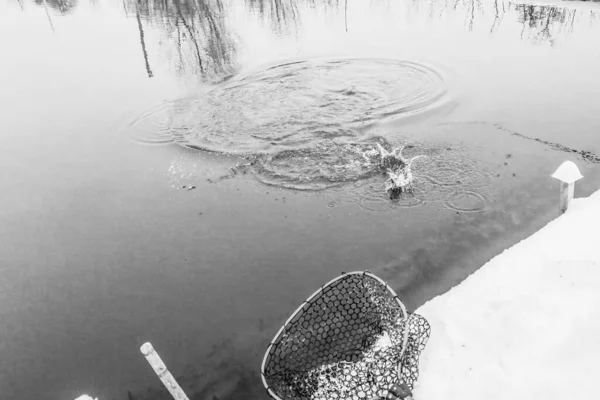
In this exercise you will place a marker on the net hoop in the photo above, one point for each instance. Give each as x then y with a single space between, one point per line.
307 302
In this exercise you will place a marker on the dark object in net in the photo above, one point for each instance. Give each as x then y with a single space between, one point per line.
352 339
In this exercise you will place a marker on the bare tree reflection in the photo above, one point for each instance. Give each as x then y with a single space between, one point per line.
346 15
498 16
197 40
545 23
195 29
284 15
49 17
143 41
473 9
593 16
439 8
193 33
61 6
540 23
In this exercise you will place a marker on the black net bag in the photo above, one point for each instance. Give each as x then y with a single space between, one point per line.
352 339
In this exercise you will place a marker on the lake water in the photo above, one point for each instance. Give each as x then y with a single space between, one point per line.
181 172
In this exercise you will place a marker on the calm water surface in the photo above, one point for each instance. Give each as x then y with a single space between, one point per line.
121 220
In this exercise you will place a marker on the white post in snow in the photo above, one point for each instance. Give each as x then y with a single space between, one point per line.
163 373
567 174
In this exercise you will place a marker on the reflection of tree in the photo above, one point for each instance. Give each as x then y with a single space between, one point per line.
143 41
284 15
62 6
193 32
498 15
197 40
281 13
438 8
195 29
472 5
544 23
541 23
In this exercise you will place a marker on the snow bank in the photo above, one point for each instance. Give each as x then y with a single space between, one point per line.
527 324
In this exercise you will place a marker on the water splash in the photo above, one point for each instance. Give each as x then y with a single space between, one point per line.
372 197
444 174
398 169
325 164
447 176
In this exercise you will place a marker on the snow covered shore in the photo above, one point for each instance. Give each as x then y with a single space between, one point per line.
527 324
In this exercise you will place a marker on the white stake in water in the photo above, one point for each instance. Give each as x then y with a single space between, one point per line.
163 373
567 174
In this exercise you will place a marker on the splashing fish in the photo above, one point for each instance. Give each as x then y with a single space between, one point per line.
398 168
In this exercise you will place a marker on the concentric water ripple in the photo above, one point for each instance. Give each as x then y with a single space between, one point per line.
469 202
448 172
159 125
299 102
299 124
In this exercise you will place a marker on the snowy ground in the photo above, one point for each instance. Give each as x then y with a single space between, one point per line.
527 324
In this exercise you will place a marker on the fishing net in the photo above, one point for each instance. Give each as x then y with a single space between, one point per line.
352 339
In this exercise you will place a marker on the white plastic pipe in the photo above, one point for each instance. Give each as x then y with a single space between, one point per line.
163 373
566 195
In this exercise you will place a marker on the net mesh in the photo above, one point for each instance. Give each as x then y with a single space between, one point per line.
352 339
